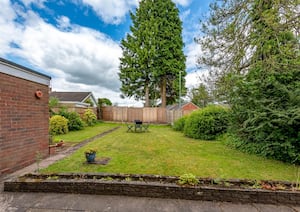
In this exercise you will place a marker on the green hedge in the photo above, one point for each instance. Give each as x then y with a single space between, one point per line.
178 125
207 123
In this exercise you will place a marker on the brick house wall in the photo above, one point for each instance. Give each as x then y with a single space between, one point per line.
24 118
190 106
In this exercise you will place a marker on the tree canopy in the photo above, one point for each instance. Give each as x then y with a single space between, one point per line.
252 48
153 53
231 38
200 96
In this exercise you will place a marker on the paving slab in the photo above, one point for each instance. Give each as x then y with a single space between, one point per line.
11 201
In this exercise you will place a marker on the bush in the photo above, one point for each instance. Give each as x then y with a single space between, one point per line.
89 117
179 124
75 122
266 114
188 179
207 123
58 125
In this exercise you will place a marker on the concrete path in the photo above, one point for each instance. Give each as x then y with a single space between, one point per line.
73 202
54 202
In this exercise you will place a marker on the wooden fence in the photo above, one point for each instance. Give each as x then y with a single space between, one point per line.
146 114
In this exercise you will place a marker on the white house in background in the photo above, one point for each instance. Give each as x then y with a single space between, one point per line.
75 99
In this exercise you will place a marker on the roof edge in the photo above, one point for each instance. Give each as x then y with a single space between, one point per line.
13 69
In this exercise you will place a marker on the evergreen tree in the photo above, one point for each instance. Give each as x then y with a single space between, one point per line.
153 53
170 60
228 39
254 47
200 96
138 53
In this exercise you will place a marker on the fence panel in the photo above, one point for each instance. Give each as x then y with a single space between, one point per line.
120 114
107 113
134 114
150 115
161 115
147 114
173 115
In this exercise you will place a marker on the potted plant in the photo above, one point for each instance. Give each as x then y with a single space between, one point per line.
90 155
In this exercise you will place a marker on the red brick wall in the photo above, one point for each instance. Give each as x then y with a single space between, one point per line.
190 106
23 122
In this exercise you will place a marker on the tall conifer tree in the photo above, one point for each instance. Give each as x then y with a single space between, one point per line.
153 53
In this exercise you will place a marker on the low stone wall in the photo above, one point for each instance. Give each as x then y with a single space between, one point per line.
157 187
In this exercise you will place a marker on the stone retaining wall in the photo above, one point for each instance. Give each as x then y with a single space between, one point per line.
108 186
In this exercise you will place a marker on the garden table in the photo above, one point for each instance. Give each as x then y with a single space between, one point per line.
137 126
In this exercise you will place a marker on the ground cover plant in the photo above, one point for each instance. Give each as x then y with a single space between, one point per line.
163 151
75 137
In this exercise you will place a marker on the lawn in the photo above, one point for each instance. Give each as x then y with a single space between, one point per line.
75 137
162 151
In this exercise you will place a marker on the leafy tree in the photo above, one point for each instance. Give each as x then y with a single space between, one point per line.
101 103
200 96
153 53
104 102
89 101
229 41
253 49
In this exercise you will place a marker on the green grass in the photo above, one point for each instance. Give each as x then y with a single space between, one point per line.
88 132
163 151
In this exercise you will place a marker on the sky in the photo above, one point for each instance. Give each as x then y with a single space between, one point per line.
77 42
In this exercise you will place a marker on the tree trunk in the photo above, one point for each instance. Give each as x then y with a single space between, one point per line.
163 91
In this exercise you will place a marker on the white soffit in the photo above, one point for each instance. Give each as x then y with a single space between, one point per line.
15 70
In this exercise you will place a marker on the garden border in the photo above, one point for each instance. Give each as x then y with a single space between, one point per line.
152 186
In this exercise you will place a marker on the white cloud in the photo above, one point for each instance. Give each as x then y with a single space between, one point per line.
63 23
79 59
114 11
111 11
39 3
182 2
7 26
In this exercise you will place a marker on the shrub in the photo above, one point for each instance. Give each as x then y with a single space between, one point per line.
188 179
89 117
179 124
207 123
266 113
75 122
58 125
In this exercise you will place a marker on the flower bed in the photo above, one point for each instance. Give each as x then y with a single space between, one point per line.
243 191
